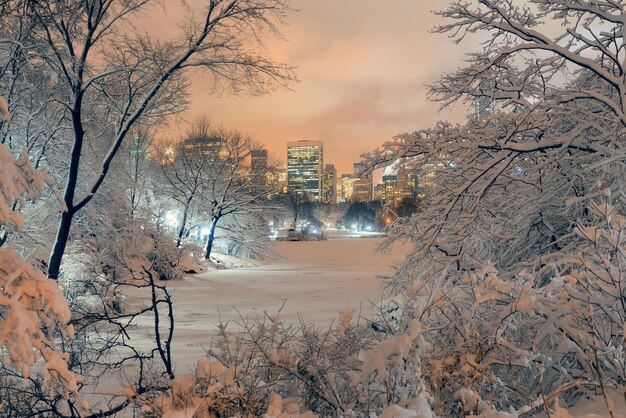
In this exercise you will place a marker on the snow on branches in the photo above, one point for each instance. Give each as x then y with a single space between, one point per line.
33 311
516 271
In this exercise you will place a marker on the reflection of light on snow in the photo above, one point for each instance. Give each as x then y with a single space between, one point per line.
368 228
204 231
171 219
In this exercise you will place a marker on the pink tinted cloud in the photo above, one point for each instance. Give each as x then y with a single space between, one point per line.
363 66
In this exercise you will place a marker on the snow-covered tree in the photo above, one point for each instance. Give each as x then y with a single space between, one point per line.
34 315
497 274
234 190
111 77
555 143
210 176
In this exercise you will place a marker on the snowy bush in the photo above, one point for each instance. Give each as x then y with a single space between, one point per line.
34 315
119 246
244 236
165 257
271 369
526 343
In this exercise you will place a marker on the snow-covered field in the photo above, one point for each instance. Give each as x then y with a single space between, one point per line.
311 280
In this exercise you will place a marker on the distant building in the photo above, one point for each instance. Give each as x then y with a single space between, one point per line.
258 161
407 184
206 145
305 162
484 104
389 189
347 187
277 179
362 185
379 192
329 186
258 166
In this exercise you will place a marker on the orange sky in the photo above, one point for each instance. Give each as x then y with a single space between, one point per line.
362 66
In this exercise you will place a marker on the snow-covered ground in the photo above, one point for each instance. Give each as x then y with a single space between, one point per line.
310 279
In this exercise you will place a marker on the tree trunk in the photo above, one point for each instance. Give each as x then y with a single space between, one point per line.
183 224
210 239
63 234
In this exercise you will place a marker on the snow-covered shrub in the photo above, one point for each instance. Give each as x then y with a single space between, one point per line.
523 344
278 370
86 286
164 256
120 246
244 236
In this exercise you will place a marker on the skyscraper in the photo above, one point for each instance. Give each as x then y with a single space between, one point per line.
362 185
305 162
347 187
207 145
258 165
329 187
390 187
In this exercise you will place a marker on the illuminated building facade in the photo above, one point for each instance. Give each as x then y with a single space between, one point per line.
361 185
347 187
389 189
305 162
329 188
407 184
277 180
379 192
206 146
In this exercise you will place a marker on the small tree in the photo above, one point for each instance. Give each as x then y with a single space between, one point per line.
407 207
298 204
187 169
233 189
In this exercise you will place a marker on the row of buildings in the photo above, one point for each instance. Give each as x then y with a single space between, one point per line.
307 173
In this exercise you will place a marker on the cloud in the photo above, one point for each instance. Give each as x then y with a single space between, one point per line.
362 64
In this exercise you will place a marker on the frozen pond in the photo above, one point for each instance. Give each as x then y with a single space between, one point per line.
312 280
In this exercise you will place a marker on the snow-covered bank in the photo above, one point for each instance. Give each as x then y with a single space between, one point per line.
310 279
345 234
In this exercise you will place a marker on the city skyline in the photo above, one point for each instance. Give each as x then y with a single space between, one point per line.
362 81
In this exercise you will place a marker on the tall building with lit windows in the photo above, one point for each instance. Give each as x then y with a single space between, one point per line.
389 189
361 185
207 145
347 188
329 186
305 168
